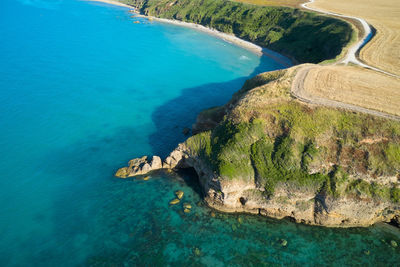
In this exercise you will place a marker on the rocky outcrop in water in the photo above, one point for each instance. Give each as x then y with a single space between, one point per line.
139 166
265 153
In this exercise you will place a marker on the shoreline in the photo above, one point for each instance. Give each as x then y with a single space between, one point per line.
286 62
281 59
111 2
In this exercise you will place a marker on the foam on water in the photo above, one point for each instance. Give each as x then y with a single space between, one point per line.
83 90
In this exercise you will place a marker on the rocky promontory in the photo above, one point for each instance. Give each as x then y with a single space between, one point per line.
140 166
266 153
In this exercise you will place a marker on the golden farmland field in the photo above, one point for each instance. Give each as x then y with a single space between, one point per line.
383 51
352 84
355 85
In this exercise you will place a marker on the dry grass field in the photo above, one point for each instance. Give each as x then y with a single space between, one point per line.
355 85
383 51
289 3
351 84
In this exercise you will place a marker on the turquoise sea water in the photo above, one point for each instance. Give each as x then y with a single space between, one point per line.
83 90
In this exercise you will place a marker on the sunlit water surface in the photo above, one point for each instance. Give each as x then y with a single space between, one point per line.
83 89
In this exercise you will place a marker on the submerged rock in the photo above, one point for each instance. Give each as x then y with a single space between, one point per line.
187 207
186 131
393 243
174 201
179 194
197 252
284 243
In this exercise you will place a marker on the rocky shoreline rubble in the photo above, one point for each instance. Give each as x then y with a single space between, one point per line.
142 166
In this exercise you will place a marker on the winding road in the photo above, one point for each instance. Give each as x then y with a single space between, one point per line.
301 94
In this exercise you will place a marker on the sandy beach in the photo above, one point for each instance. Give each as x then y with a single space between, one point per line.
224 36
111 2
230 39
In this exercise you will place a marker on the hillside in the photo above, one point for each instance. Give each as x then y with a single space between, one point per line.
274 155
304 36
267 153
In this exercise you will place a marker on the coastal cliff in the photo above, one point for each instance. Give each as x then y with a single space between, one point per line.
265 152
302 36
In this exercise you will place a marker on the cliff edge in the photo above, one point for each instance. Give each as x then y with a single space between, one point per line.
267 153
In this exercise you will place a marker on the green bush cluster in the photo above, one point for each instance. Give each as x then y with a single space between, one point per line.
276 162
335 182
363 188
231 148
309 151
306 36
242 150
392 153
395 195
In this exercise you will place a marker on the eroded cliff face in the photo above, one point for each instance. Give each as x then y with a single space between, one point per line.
265 153
302 204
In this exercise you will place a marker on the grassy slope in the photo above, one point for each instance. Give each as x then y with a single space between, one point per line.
269 137
305 36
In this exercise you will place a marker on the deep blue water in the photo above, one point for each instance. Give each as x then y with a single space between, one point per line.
83 90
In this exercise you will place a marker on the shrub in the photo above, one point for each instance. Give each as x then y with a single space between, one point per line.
395 195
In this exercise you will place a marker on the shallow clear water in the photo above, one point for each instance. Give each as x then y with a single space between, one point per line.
83 90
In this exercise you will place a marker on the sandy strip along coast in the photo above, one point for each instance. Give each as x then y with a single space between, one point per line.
286 62
111 2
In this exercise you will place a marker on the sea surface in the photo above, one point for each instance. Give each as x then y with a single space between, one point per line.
83 89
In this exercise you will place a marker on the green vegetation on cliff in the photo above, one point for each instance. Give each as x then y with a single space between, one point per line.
269 137
303 35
